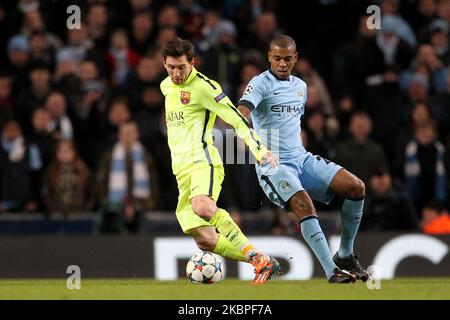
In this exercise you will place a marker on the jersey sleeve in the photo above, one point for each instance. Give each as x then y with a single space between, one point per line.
253 94
217 101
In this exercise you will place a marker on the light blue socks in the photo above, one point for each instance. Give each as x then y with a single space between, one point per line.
351 213
313 235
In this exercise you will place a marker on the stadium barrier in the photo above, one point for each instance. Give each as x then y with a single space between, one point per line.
164 258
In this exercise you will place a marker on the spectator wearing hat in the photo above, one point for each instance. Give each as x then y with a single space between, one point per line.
396 51
439 39
389 9
18 59
221 59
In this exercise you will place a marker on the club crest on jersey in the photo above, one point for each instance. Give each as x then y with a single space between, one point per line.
185 97
300 94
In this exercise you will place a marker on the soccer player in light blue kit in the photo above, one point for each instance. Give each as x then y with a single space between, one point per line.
276 101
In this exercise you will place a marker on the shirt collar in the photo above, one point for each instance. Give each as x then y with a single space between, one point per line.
273 74
189 79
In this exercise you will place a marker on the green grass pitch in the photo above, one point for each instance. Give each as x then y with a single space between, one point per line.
405 288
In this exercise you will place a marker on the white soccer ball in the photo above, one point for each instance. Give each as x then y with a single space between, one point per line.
204 267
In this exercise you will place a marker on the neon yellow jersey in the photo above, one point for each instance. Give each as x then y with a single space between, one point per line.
191 110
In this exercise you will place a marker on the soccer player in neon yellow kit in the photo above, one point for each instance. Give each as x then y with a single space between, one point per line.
192 102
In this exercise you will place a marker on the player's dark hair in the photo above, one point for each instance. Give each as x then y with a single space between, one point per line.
283 41
178 47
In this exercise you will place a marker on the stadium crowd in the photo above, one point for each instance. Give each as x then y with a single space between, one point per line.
81 107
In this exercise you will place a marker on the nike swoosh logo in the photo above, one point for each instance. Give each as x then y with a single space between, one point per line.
315 234
276 93
194 188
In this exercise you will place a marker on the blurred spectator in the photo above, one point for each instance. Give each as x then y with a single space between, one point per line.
361 61
18 58
34 22
389 8
387 206
426 12
167 184
142 31
307 73
81 47
396 52
40 51
66 184
221 59
97 24
435 220
384 104
427 65
210 28
34 96
439 39
147 74
440 106
121 58
127 180
191 16
7 105
169 17
265 28
61 124
320 142
41 135
444 10
345 107
100 130
20 163
359 154
424 170
420 114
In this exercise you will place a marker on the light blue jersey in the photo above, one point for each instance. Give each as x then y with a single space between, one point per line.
277 106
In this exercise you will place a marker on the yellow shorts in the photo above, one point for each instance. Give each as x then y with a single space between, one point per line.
201 179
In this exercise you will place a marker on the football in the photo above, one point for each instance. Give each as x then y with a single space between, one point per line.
204 267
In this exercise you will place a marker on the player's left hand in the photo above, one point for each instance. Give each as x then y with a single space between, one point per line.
271 158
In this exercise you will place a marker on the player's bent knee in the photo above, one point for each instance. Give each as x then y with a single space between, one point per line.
206 243
358 189
302 207
204 209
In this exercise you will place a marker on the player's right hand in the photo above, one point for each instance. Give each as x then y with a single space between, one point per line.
271 158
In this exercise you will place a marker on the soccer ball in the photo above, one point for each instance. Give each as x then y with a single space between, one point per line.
204 267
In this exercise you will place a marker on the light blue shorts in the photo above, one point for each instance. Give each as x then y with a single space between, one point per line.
306 172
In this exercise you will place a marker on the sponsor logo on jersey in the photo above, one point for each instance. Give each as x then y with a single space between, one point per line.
185 97
175 119
283 109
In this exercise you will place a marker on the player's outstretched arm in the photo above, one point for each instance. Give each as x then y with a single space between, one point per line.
245 111
217 102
